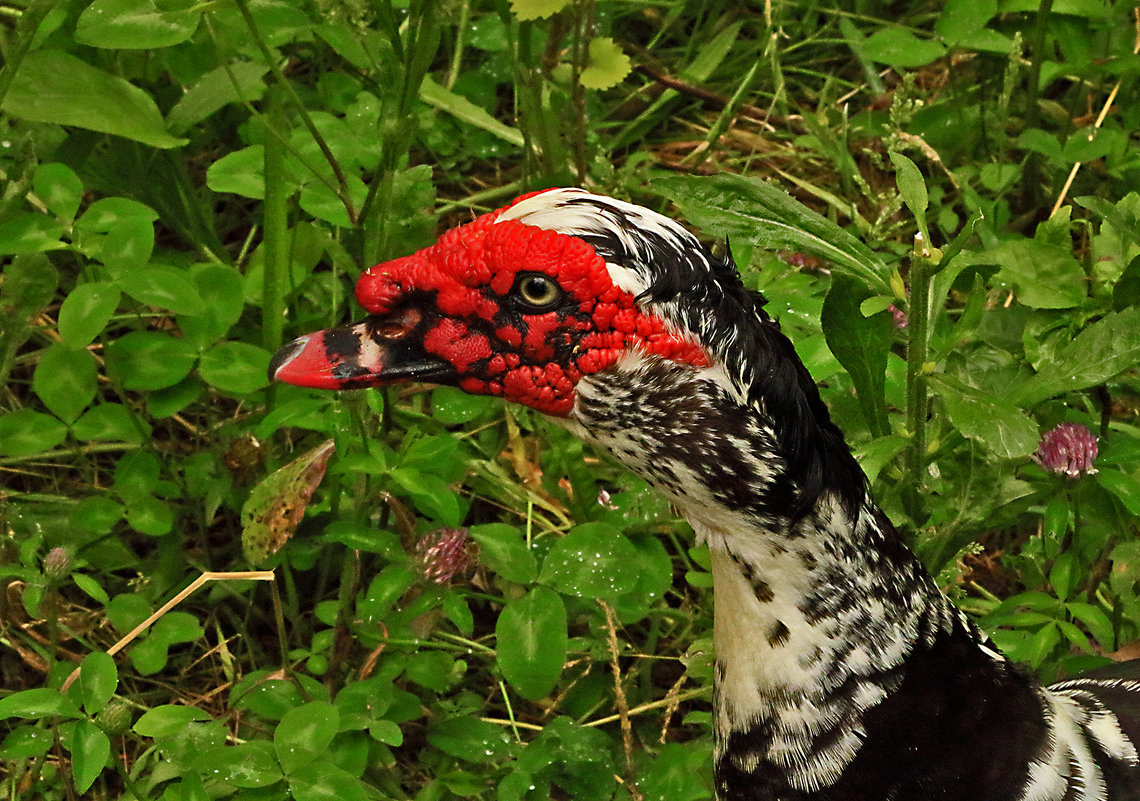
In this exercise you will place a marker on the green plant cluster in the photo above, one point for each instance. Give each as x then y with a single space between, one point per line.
454 609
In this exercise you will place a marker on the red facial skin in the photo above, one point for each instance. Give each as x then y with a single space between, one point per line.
474 321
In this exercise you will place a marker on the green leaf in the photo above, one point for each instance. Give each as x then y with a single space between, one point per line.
42 702
241 173
594 560
98 678
896 47
471 739
164 288
24 232
55 87
1102 350
861 345
109 213
322 781
236 367
59 188
223 297
1126 292
1122 486
231 83
755 211
26 742
26 431
305 734
532 640
501 548
28 287
86 311
960 20
1063 574
144 360
110 422
537 9
137 24
249 764
1046 276
90 749
65 380
275 507
912 187
1095 620
997 424
607 66
463 109
1125 576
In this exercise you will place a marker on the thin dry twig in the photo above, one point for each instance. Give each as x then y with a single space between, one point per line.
620 699
1099 119
208 576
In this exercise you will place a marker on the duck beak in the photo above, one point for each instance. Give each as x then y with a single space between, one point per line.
378 350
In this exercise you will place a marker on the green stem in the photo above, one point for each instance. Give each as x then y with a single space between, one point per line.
275 239
341 187
923 266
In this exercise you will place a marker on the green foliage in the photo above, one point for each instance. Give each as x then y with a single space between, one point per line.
185 185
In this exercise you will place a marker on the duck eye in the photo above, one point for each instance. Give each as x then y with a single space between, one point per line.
537 290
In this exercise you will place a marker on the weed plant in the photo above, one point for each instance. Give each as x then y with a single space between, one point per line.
444 607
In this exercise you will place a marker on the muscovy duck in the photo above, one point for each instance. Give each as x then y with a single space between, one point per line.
842 672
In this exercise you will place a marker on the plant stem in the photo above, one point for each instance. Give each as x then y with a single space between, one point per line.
923 266
275 239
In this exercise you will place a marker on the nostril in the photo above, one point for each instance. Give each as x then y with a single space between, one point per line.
286 354
397 325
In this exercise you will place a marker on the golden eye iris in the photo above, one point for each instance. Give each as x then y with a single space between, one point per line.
538 290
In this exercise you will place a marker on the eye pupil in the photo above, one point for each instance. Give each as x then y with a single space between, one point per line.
538 290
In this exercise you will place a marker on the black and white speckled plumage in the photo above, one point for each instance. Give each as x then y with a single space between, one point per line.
842 671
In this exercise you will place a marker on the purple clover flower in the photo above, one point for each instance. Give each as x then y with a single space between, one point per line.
1069 450
444 554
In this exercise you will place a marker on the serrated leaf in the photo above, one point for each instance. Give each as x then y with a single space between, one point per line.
531 642
607 66
765 215
1102 350
997 424
861 345
55 87
1046 276
463 109
275 506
